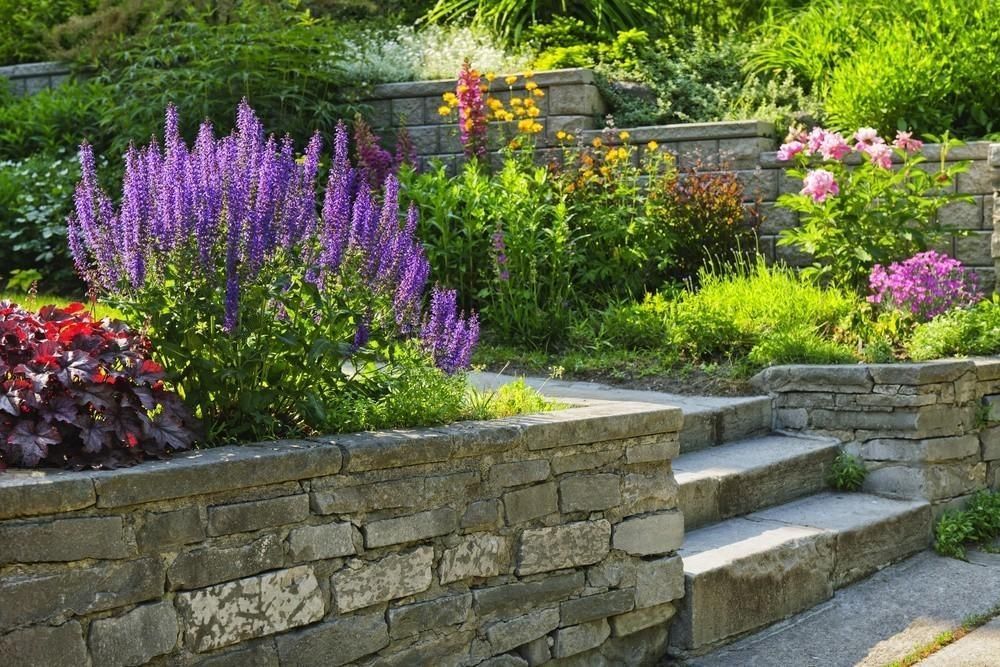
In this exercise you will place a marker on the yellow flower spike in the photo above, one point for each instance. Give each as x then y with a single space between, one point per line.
597 143
652 146
538 92
510 80
444 110
623 135
490 76
531 85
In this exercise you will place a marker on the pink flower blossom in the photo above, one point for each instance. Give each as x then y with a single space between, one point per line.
834 146
868 135
905 141
790 150
820 184
816 138
880 154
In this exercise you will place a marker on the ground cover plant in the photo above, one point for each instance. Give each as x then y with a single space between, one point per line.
78 392
978 523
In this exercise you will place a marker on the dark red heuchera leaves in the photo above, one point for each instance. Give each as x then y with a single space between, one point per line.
75 392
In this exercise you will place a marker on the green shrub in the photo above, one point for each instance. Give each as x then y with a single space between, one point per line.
927 64
847 472
25 26
979 522
973 331
36 195
53 120
801 345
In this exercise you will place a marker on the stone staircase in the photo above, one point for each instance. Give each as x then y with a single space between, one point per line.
765 537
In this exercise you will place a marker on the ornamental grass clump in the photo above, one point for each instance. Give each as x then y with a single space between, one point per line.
925 286
274 315
79 393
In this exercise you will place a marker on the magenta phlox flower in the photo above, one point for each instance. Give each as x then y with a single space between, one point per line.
820 184
926 285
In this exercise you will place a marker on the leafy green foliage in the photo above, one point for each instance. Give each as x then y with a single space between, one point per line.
25 26
753 314
928 64
53 120
847 473
973 331
36 195
978 522
508 400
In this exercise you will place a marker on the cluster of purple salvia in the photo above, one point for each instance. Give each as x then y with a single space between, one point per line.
447 336
926 285
238 202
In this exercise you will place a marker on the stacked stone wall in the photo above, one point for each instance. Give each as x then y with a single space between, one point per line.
515 542
31 78
929 431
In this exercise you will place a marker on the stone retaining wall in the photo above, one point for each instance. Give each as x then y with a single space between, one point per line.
929 430
509 543
30 78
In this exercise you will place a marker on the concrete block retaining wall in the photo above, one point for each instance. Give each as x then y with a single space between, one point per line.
925 431
497 543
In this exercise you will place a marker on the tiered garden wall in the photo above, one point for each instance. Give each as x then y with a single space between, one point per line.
572 103
928 430
30 78
473 544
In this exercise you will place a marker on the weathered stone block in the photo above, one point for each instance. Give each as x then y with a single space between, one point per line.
34 492
368 497
990 438
840 379
257 514
448 650
329 540
584 461
419 617
580 638
479 555
992 408
648 492
169 529
210 565
63 540
383 450
362 584
933 450
930 483
654 452
507 635
510 599
517 473
589 493
593 607
568 545
580 100
963 215
537 651
336 642
651 534
530 503
481 514
44 646
408 110
29 598
613 572
413 528
507 660
658 581
640 619
238 610
974 249
134 638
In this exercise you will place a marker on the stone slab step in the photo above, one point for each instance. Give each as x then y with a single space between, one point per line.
745 573
708 420
741 477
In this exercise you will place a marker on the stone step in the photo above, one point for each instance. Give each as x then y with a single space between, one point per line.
745 573
708 420
740 477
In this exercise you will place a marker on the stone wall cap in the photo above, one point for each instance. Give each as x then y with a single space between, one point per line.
729 129
555 77
24 70
806 377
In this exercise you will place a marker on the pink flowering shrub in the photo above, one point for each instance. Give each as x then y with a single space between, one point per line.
926 285
856 209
